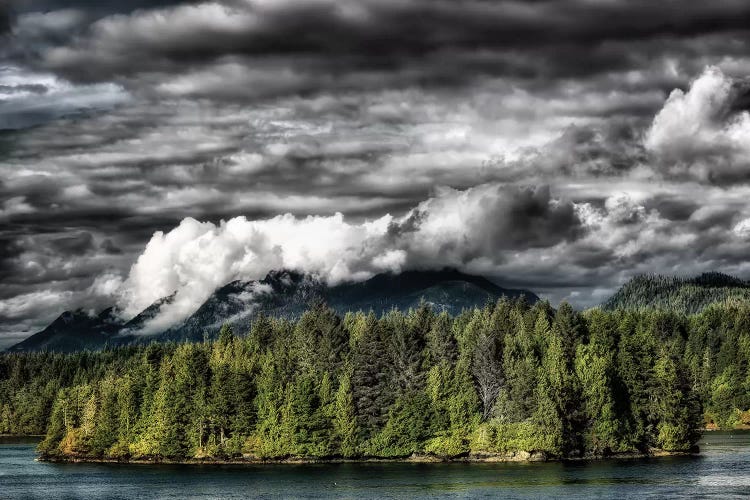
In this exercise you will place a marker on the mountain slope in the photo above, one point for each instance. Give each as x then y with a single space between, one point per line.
448 290
686 295
73 331
281 294
138 322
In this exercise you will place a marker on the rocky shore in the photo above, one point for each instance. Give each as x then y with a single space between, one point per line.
521 456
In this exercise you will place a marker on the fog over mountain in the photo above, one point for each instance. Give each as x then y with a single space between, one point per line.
563 146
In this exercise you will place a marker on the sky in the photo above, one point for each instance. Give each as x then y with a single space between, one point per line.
562 146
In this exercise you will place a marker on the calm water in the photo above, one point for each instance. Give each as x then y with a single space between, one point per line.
722 471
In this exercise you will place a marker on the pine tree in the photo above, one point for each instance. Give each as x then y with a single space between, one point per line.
344 418
371 391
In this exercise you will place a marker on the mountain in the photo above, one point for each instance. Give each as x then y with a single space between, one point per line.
448 290
281 294
686 295
288 293
73 331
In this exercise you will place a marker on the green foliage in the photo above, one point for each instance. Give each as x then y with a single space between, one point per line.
676 409
506 378
406 429
682 295
344 418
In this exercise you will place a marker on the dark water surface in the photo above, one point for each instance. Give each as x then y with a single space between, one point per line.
722 471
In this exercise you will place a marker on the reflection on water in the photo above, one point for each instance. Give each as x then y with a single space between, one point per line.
722 471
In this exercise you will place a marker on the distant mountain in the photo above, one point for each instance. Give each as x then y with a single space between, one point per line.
448 290
687 295
280 294
73 331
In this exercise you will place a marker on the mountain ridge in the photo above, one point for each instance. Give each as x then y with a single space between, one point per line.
281 293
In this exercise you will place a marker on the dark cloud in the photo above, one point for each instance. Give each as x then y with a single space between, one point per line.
94 8
10 249
386 36
33 88
674 209
741 101
5 19
109 247
75 244
525 218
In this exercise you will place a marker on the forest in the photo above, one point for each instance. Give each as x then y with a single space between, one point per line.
686 295
504 379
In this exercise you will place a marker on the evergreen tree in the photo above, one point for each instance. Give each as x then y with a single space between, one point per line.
371 391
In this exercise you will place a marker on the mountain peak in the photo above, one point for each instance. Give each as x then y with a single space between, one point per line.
717 279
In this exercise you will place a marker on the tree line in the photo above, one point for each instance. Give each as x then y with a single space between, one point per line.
505 378
686 295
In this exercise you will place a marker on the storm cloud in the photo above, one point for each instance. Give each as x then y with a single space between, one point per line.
559 145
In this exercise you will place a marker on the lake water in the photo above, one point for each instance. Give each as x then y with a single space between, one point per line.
721 471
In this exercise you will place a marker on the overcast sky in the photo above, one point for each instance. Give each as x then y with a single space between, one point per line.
563 146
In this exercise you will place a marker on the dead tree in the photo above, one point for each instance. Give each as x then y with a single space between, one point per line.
487 370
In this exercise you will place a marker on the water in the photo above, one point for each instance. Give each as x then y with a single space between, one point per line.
722 471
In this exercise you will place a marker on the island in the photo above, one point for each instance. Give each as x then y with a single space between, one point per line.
508 381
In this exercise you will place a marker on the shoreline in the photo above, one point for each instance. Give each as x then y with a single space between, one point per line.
519 457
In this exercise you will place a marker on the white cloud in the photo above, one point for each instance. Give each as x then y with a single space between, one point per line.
21 305
197 257
696 133
742 228
106 285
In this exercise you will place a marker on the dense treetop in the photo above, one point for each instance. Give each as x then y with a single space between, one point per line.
686 295
509 377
